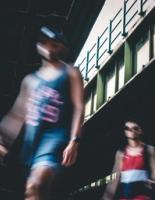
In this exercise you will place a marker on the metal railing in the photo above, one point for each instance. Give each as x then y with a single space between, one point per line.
117 28
102 182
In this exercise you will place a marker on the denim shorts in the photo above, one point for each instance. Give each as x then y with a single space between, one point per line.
48 149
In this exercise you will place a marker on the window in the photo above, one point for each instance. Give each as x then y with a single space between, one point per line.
88 105
110 83
121 74
115 77
94 96
142 53
91 100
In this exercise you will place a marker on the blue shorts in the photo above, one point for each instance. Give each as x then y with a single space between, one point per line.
48 149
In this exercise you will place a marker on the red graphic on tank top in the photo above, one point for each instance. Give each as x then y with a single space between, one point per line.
44 104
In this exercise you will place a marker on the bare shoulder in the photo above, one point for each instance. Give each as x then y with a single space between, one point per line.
28 82
151 149
27 79
74 72
117 161
118 155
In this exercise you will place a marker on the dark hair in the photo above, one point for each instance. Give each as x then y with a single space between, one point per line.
135 121
123 140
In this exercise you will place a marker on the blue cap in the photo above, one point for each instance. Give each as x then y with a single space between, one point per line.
53 34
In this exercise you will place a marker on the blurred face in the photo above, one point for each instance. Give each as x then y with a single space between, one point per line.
132 130
51 50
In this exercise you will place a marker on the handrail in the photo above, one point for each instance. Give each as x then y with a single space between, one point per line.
90 68
119 33
103 32
106 45
98 183
90 59
102 54
131 7
117 14
131 17
103 43
81 62
114 28
92 47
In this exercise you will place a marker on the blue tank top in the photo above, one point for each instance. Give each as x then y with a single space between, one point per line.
49 108
50 104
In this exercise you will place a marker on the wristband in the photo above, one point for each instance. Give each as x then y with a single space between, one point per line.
76 139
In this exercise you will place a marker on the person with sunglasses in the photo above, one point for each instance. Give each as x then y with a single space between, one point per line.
134 168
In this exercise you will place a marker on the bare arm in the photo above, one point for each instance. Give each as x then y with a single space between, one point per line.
151 150
12 122
112 186
77 97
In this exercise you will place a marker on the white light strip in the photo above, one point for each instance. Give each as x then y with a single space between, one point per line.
48 32
130 176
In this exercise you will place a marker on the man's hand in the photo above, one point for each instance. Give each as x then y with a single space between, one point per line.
3 151
70 154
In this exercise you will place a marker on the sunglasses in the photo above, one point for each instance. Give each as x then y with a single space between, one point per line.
134 128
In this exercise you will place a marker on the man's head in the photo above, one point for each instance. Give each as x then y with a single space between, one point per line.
132 130
51 44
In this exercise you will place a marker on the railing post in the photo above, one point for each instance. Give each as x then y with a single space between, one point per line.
78 66
124 33
97 52
140 6
109 41
86 71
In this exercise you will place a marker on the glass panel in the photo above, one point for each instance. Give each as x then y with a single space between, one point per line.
94 96
121 74
110 83
88 106
95 101
142 53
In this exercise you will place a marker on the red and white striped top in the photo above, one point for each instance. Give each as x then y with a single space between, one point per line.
133 173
